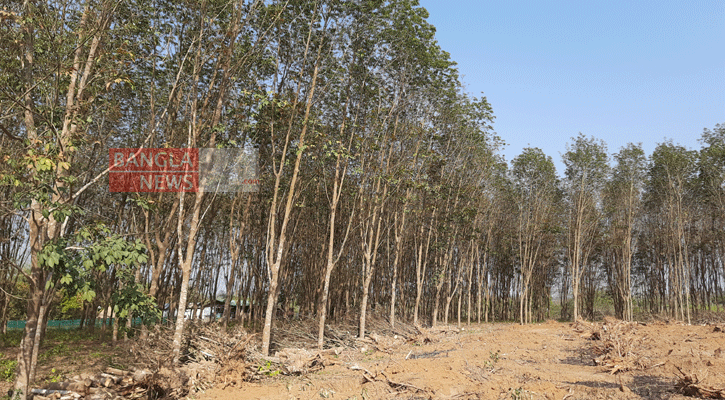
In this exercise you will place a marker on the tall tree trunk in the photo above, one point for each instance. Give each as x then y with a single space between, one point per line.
331 259
421 263
235 246
185 262
399 231
371 242
276 240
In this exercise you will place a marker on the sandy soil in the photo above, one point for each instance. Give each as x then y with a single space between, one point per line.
506 361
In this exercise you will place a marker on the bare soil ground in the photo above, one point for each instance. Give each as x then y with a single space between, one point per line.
604 360
551 360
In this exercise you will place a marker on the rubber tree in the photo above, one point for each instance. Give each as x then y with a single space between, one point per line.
586 163
670 190
210 73
340 147
711 169
59 65
282 202
622 202
535 183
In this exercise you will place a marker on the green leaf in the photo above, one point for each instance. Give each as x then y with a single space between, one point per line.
89 295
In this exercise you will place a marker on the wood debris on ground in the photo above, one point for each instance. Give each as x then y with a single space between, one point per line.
210 355
297 361
213 356
302 333
617 346
693 384
381 376
114 383
586 330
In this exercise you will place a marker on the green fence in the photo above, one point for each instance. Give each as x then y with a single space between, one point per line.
66 324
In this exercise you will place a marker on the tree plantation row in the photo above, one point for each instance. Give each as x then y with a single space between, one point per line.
381 186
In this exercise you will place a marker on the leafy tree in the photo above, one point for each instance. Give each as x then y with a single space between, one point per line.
59 67
535 183
586 163
670 190
623 197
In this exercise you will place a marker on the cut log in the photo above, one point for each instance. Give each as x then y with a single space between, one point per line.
116 371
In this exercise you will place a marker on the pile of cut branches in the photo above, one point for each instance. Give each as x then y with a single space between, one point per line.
710 318
209 353
617 346
293 361
691 385
586 330
302 332
115 383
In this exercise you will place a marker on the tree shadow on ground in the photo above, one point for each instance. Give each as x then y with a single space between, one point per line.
581 356
595 384
652 387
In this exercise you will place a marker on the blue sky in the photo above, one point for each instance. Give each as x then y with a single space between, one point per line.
621 71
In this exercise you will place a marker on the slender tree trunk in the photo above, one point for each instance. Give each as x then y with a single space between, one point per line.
460 293
331 261
420 266
399 231
235 245
369 258
185 261
276 240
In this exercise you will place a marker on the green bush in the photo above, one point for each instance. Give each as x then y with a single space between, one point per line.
12 338
72 335
7 369
60 350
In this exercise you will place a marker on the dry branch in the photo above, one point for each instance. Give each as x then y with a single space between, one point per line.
370 377
692 385
617 345
119 384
